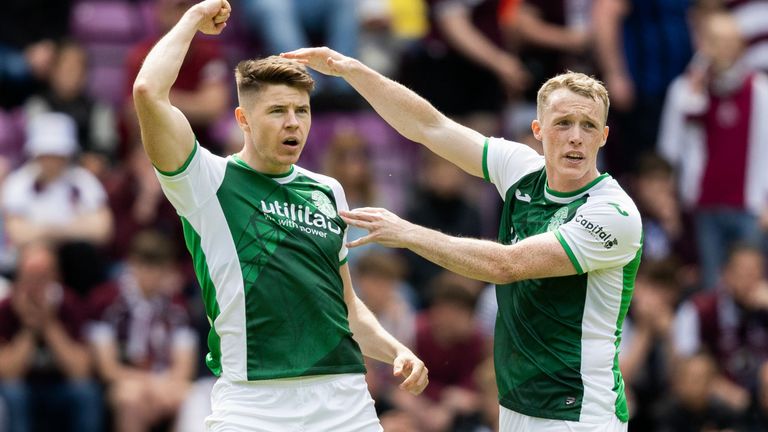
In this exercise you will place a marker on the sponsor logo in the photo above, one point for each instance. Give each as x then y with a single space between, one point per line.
558 219
302 217
521 196
321 201
619 209
597 232
570 400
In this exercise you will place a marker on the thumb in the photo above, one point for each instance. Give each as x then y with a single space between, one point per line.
398 369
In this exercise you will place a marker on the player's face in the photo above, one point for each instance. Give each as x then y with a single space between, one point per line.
571 130
276 124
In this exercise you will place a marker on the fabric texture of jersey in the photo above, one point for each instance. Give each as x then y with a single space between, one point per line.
267 252
556 339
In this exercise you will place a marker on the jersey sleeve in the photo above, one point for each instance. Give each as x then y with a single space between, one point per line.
506 162
602 235
341 204
192 185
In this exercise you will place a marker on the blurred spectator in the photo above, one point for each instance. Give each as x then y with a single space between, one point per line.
485 379
201 90
667 232
758 420
439 202
286 25
731 323
690 406
448 340
49 198
28 46
553 36
646 347
145 350
348 159
464 46
44 366
714 130
641 45
137 203
66 92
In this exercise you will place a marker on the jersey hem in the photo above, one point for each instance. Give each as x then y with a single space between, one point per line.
569 252
184 166
533 412
327 370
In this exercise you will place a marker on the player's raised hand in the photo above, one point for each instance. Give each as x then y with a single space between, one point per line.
323 60
213 15
410 367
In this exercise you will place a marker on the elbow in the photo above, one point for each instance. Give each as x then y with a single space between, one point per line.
144 90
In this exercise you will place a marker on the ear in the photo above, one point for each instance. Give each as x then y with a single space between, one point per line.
605 135
242 121
536 128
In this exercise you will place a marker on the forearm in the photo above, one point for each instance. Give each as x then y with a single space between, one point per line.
95 227
161 66
469 41
541 33
375 342
203 106
16 356
71 357
410 114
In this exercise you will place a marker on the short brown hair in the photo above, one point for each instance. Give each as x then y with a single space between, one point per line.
252 75
576 82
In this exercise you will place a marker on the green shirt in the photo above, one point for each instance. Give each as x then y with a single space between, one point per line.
267 252
556 339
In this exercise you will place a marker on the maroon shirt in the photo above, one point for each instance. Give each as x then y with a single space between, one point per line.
726 126
448 365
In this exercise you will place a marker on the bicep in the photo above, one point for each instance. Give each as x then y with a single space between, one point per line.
165 133
540 256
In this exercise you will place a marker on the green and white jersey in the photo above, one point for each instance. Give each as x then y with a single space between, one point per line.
556 339
267 252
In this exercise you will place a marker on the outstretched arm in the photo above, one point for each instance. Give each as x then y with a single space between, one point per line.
536 257
165 132
377 343
410 114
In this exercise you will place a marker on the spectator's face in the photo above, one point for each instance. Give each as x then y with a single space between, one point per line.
722 41
572 131
36 271
155 279
693 382
276 123
377 291
451 323
69 72
51 166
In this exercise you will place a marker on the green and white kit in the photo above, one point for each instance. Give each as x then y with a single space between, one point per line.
267 252
556 339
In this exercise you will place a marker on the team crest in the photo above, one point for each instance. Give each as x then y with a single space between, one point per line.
323 204
558 219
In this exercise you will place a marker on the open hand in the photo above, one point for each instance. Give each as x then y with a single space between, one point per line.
213 15
323 60
412 368
384 227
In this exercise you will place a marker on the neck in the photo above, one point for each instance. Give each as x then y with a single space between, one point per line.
253 160
559 184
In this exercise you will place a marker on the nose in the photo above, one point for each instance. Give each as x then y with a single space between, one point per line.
291 122
575 136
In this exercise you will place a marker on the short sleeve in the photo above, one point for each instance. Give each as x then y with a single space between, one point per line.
341 205
191 186
602 235
506 162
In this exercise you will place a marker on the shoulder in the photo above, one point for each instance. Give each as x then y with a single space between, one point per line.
319 178
611 208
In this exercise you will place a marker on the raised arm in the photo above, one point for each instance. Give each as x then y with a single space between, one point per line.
410 114
165 132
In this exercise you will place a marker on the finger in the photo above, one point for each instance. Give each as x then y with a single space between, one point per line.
359 215
359 242
357 222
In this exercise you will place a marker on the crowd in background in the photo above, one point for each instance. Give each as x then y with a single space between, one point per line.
102 327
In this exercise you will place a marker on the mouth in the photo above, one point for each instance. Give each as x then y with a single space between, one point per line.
574 156
291 141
